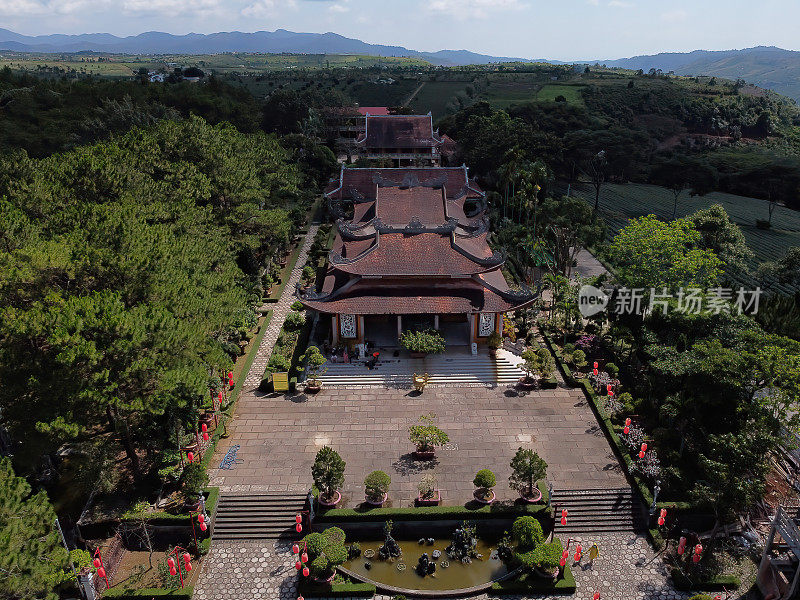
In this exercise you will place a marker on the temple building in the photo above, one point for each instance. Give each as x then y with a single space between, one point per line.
406 140
411 252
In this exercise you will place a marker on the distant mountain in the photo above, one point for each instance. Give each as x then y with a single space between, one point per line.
154 42
764 66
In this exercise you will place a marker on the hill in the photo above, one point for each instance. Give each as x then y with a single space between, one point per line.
279 41
764 66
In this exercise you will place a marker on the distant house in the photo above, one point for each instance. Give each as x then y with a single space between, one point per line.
156 78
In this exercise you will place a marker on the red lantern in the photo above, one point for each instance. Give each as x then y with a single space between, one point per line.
173 571
698 549
596 365
186 558
644 448
594 372
300 598
306 571
295 549
641 454
219 396
188 567
201 518
608 387
626 430
205 436
203 526
230 379
664 512
298 519
628 422
682 542
97 564
304 557
696 558
680 550
203 427
596 596
563 520
171 562
579 549
660 521
101 573
190 456
564 512
562 562
577 557
610 393
298 528
565 554
298 565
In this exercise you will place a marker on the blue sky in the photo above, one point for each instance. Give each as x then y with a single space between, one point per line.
563 29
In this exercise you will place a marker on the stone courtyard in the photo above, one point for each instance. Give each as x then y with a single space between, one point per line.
280 435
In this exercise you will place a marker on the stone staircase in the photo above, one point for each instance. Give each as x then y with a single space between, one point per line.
257 516
599 511
445 369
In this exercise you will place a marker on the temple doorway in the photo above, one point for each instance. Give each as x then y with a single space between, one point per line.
381 330
455 329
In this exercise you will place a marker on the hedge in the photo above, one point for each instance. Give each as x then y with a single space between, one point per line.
122 593
165 518
530 584
684 584
429 513
336 590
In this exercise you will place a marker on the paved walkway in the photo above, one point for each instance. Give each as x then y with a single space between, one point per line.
626 569
586 265
279 312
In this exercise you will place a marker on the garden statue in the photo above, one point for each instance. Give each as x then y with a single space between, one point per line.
462 546
390 548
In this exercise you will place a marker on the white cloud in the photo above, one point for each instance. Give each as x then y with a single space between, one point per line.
620 4
170 7
259 9
25 8
674 16
462 9
339 7
593 2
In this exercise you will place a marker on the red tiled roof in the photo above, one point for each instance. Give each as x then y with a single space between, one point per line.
410 255
373 110
399 131
476 246
397 206
363 181
370 297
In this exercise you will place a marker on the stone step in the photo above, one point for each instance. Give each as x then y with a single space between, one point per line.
257 516
604 510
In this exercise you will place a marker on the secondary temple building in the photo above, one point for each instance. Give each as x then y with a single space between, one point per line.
411 251
406 140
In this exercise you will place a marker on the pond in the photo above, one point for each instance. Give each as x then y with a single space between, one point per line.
449 574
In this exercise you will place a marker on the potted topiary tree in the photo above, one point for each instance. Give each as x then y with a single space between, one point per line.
494 342
426 436
376 487
538 365
193 480
315 362
325 551
527 467
421 343
428 494
328 474
484 482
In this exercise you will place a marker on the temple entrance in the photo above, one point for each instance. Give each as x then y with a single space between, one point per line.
455 329
381 330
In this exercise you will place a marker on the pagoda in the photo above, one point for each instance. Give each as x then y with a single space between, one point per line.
411 251
406 140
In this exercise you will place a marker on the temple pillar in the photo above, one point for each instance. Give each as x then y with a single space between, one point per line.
399 326
498 323
362 332
436 322
335 329
472 333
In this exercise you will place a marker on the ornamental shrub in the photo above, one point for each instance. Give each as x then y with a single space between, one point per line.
294 321
579 358
427 436
328 472
334 535
429 342
193 480
297 305
527 467
484 479
314 543
612 370
326 551
528 532
568 349
549 555
278 363
376 484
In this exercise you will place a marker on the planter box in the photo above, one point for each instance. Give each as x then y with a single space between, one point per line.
336 501
426 455
437 498
483 501
537 497
378 503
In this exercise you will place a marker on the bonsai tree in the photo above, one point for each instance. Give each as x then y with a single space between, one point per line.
427 342
326 551
427 487
314 363
308 274
528 532
328 473
376 485
527 468
494 341
538 363
548 556
427 436
484 481
612 370
579 358
193 480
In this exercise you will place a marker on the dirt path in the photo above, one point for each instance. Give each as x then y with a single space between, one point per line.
414 94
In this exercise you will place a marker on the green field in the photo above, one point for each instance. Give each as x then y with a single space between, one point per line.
620 202
571 92
435 96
